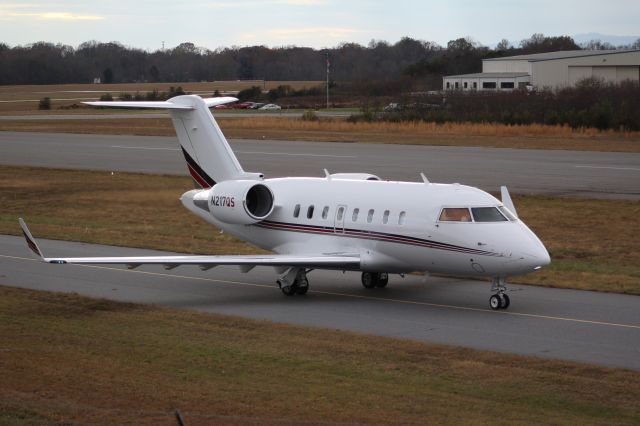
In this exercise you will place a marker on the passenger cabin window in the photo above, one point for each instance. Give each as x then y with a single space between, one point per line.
296 210
325 212
340 214
401 218
385 217
487 214
354 217
455 214
310 212
370 216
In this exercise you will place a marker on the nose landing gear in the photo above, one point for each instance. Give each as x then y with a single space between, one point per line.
499 300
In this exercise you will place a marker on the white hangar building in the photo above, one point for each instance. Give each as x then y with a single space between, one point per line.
553 69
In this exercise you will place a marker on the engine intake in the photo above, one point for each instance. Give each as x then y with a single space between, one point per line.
241 202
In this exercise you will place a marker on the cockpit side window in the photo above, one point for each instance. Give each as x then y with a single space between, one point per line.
455 214
487 214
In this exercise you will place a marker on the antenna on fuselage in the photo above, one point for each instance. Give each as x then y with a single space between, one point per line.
424 178
327 174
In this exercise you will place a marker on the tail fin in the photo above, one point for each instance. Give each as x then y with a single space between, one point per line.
207 152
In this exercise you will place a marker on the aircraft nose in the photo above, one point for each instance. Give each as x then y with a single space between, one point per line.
536 255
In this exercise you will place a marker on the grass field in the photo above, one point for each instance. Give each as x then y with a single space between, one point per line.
451 134
14 99
67 359
139 210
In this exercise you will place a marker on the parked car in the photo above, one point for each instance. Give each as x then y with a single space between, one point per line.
256 105
243 105
222 107
393 106
271 106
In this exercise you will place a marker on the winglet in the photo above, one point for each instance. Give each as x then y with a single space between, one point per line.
506 200
30 241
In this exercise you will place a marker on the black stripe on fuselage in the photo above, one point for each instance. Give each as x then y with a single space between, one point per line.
198 174
371 235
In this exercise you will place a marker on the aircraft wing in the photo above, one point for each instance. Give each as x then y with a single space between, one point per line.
247 262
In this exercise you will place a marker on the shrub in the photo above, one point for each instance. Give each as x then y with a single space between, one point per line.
310 116
45 103
254 93
106 97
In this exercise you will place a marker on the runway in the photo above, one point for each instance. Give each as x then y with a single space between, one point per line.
574 173
551 323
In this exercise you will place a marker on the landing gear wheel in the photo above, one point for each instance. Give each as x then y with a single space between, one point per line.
383 280
369 279
289 290
505 301
302 286
494 302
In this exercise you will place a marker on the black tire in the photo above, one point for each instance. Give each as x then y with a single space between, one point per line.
369 279
383 280
505 302
494 302
302 290
289 290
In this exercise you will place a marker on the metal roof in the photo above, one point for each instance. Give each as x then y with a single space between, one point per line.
490 75
565 54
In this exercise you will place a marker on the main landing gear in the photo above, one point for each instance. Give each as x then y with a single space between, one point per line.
294 281
499 300
375 279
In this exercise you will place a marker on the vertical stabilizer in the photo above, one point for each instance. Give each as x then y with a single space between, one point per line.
207 153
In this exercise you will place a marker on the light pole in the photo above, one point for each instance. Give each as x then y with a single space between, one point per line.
328 66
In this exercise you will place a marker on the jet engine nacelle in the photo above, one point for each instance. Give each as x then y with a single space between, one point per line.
240 202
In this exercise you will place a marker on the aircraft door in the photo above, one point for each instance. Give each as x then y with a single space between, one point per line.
338 226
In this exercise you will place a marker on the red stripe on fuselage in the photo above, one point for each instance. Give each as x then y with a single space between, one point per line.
369 235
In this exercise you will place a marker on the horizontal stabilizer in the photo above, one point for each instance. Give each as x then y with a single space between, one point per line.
210 102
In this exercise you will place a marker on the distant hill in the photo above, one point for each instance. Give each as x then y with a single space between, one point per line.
615 40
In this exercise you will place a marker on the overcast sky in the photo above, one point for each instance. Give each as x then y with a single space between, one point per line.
314 23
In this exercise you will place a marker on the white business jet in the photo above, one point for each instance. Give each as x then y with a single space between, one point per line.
343 221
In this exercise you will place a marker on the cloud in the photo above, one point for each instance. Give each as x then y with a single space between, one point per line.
332 32
17 10
239 4
52 16
308 36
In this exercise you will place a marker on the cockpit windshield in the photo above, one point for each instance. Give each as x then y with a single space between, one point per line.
505 211
476 214
487 214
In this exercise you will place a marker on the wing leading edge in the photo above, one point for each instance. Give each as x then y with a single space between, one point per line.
247 262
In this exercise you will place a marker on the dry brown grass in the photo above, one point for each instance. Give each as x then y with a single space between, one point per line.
450 134
71 360
139 210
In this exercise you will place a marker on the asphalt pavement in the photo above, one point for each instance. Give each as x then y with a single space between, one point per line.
551 172
571 325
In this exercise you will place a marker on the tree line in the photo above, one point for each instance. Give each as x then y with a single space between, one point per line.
421 62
